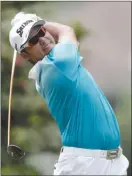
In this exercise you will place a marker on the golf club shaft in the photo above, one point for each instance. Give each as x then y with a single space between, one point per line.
10 94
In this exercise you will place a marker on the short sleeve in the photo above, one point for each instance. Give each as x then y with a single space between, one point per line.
66 57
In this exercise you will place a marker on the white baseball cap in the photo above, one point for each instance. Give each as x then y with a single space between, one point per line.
21 25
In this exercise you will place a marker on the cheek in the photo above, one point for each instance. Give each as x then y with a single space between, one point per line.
50 37
35 50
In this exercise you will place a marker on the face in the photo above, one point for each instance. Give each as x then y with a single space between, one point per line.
42 46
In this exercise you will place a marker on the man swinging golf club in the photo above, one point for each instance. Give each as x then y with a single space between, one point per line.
88 126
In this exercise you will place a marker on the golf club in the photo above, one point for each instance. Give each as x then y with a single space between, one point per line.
14 151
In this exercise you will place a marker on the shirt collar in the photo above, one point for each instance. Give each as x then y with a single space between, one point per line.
33 72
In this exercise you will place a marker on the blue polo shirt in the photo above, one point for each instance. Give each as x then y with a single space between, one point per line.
82 112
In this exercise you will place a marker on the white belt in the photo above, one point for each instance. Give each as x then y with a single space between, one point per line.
108 154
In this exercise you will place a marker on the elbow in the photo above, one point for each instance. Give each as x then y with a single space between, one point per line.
73 34
70 29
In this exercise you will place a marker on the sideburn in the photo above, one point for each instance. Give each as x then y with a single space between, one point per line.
29 60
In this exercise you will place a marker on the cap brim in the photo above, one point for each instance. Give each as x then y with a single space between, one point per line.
40 22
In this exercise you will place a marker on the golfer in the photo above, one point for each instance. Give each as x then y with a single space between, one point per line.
91 143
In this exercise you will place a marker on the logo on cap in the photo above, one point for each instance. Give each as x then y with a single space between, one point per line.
20 30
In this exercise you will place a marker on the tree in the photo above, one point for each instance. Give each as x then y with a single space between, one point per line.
30 119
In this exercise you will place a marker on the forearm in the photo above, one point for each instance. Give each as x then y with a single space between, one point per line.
56 29
61 32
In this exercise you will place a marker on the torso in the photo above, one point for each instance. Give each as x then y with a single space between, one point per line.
82 113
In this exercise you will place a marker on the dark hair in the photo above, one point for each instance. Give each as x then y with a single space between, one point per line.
31 61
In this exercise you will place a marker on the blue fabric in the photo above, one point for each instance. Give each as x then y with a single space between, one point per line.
82 112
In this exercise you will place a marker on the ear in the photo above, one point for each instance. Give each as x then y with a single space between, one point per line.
24 55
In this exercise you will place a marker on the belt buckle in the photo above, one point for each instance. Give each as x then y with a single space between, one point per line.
113 154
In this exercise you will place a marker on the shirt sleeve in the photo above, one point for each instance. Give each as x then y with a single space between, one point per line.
66 58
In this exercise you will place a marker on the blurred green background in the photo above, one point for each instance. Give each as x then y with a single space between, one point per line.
103 30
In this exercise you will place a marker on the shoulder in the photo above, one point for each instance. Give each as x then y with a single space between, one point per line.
66 44
63 51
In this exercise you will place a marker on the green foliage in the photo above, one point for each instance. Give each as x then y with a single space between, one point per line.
30 119
123 112
80 30
18 170
37 138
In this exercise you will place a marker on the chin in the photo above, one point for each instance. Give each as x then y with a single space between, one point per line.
41 58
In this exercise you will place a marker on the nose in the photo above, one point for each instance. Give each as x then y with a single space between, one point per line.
41 40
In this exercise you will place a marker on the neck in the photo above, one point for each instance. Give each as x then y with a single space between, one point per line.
32 62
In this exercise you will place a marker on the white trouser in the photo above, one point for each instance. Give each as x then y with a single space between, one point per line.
77 161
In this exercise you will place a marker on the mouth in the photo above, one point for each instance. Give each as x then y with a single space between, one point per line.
45 45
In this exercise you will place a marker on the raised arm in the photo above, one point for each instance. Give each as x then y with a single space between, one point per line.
61 32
